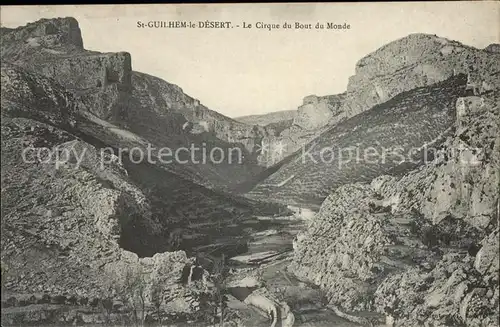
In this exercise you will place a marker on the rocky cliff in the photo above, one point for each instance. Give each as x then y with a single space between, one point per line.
414 61
63 227
87 237
317 112
286 136
421 247
78 222
108 88
402 96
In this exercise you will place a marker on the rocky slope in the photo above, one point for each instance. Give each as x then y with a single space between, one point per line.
317 112
112 91
314 116
292 129
77 222
108 87
421 248
365 146
85 235
62 228
402 96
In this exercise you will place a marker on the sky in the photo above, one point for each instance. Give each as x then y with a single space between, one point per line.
240 71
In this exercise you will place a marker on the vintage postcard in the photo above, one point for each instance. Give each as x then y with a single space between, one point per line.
252 164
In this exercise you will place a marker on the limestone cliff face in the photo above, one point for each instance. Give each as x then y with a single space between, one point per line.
414 61
418 60
107 87
91 71
317 112
46 32
421 248
465 178
54 48
19 96
283 138
278 147
62 228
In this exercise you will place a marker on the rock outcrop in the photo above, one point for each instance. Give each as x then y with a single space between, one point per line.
62 224
414 61
421 248
286 132
45 33
91 70
107 87
65 214
317 112
86 233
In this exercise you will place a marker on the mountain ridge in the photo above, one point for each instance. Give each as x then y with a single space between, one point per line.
72 223
370 88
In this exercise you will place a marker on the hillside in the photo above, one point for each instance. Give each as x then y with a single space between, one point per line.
77 220
408 121
420 248
110 90
397 115
414 61
62 227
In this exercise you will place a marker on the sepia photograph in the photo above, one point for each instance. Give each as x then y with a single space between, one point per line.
250 164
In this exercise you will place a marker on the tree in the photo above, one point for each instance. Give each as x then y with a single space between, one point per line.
135 289
130 288
157 296
219 276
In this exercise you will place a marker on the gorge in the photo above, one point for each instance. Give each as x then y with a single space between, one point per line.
102 239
